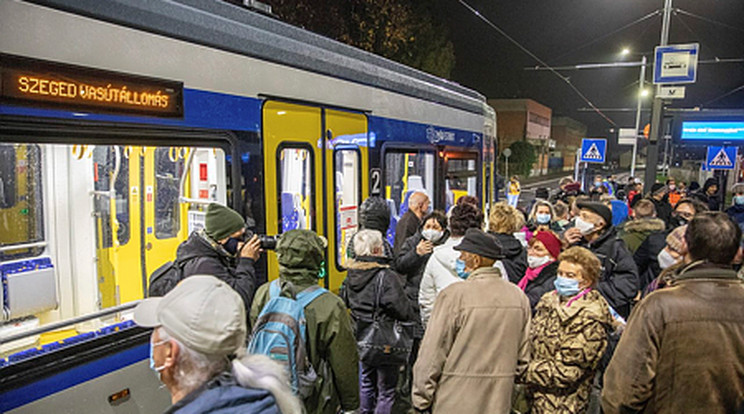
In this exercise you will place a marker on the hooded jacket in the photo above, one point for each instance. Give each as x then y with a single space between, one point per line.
359 290
410 265
682 349
736 212
619 280
374 214
714 201
330 338
646 258
635 232
515 256
200 255
223 395
438 274
567 344
475 345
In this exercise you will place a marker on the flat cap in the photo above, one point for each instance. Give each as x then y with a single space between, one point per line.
478 242
597 208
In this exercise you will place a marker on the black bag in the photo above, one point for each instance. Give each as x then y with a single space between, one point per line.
383 340
165 278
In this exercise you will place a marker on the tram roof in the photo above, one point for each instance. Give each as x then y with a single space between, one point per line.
222 25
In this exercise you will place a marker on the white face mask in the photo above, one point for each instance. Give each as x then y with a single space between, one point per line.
535 261
584 226
665 259
431 234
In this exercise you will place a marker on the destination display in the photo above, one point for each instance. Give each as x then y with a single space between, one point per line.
30 81
713 130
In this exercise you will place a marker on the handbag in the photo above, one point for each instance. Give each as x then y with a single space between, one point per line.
383 340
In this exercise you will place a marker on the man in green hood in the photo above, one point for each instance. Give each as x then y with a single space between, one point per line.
330 339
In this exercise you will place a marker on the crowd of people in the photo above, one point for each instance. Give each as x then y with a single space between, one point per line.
618 298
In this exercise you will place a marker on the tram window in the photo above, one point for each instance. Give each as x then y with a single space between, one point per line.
405 173
109 163
296 196
21 208
461 178
168 170
346 179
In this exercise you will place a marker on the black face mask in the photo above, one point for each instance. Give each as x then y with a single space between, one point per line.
231 245
678 221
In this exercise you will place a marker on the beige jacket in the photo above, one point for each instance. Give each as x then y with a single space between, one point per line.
476 341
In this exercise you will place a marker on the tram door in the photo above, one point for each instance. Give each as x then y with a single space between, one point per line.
313 158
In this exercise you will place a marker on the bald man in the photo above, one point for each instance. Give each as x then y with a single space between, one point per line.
418 205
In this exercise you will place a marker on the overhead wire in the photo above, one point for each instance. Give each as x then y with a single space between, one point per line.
540 61
731 92
709 20
606 35
695 34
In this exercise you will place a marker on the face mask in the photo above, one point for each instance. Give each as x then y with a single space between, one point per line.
678 221
542 218
665 259
672 187
152 360
460 269
566 286
597 183
534 261
231 245
584 226
431 234
739 200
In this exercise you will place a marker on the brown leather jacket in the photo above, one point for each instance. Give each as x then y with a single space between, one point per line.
683 348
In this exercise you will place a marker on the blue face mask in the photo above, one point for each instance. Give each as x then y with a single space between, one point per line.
152 359
739 200
542 218
460 269
566 286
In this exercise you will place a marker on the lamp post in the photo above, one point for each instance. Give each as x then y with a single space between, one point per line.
641 80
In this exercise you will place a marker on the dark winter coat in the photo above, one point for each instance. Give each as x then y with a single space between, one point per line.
714 201
410 265
543 284
646 258
663 209
407 227
682 349
374 214
515 256
359 290
635 232
619 281
200 255
223 395
736 212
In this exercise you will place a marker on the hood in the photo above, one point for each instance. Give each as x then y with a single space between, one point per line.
736 209
510 245
645 225
374 214
446 255
200 245
363 270
708 183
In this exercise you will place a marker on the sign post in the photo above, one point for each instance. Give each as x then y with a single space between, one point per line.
507 153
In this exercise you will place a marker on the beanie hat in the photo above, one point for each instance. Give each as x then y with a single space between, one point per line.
657 188
551 243
222 221
676 240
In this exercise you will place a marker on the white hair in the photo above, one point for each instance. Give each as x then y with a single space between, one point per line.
194 368
368 243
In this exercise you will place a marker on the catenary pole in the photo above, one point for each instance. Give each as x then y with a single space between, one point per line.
641 81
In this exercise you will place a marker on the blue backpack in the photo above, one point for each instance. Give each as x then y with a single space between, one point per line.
280 333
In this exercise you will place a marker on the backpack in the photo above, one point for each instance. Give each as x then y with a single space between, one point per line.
280 333
165 278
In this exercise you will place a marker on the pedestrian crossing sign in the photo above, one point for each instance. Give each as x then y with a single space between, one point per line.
720 158
593 150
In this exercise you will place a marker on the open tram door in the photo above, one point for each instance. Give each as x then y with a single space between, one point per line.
313 163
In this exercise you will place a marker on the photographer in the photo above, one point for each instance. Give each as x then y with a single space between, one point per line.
220 250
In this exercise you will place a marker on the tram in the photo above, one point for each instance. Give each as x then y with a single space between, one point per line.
120 121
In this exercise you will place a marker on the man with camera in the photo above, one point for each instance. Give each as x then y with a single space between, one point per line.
220 249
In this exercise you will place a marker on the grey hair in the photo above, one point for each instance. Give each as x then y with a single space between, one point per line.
366 241
259 371
193 368
738 188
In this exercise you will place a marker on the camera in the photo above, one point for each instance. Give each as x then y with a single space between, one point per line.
267 242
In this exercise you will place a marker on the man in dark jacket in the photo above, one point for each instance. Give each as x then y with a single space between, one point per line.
330 338
374 214
736 211
418 205
682 349
661 204
370 280
503 222
593 230
709 194
219 250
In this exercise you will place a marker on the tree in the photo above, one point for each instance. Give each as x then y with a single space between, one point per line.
406 31
522 158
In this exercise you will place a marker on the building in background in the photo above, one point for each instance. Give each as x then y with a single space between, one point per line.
567 134
525 120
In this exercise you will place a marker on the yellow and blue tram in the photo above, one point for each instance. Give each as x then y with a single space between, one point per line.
121 120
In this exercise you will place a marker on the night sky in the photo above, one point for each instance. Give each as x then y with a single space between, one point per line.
554 29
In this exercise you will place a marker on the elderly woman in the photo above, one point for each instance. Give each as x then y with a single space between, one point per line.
542 265
568 337
503 222
368 272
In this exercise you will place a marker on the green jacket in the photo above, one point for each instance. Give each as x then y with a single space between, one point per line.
331 343
635 232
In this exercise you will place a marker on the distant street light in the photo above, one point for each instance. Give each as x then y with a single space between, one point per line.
644 92
625 51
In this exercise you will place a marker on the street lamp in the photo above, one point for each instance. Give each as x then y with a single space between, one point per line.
643 93
625 51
